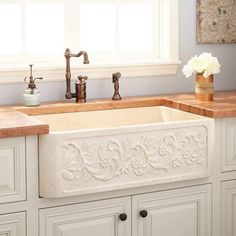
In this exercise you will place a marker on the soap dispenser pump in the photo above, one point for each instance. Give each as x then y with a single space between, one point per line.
31 95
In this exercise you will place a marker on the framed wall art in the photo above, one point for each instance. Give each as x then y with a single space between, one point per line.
216 21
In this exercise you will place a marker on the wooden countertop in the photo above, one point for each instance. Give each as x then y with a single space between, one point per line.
224 104
15 124
17 120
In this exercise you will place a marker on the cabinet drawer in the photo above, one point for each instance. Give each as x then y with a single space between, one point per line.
185 211
12 170
100 218
13 224
228 144
228 208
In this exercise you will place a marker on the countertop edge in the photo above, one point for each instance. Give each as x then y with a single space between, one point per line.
24 131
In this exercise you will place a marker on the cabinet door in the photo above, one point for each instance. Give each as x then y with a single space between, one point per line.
12 224
181 212
100 218
229 208
12 170
228 144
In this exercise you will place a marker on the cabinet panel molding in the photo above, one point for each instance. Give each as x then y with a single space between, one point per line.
228 208
99 218
13 224
184 211
228 144
12 170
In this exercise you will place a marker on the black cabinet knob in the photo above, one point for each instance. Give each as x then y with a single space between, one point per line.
123 217
143 213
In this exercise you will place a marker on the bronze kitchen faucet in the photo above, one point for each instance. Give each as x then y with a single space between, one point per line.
80 84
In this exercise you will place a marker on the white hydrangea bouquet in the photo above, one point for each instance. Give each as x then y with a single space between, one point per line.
204 64
204 67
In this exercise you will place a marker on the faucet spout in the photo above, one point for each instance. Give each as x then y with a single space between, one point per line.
85 55
81 53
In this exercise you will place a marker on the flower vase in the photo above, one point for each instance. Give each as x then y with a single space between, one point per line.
204 88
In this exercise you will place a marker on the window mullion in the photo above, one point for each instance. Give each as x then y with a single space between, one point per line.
23 17
164 29
68 24
76 36
117 27
156 28
73 25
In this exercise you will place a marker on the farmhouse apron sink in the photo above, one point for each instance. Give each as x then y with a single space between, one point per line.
97 151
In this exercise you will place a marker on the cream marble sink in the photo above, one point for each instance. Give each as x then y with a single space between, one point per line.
97 151
114 118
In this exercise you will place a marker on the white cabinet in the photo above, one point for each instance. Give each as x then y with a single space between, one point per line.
100 218
229 208
181 212
228 144
12 170
13 224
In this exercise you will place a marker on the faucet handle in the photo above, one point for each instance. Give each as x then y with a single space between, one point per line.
116 76
40 78
82 78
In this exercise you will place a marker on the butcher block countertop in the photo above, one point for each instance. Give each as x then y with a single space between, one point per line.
15 124
17 121
223 106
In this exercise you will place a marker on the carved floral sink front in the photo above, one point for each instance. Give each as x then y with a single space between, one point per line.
90 152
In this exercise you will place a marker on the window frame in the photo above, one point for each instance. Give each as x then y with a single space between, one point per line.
167 64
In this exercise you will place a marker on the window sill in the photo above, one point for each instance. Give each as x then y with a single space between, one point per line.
57 73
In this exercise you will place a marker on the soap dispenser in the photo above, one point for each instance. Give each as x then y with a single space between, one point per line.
31 95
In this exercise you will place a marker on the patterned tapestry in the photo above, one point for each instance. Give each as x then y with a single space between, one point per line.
216 21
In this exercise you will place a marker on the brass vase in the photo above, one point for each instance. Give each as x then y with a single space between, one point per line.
204 88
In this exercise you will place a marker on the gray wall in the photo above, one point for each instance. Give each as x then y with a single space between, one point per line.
226 80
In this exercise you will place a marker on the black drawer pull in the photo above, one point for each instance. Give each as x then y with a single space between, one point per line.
143 213
123 217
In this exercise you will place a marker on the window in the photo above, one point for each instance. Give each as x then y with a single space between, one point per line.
137 37
32 31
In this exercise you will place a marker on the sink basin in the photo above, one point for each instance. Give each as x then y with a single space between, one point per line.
114 118
97 151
